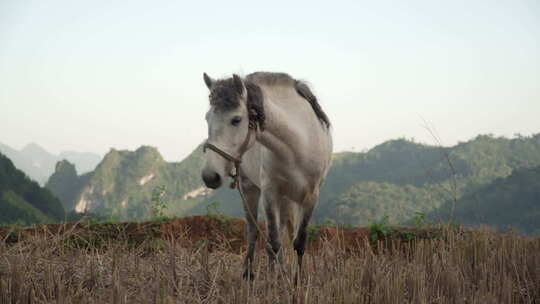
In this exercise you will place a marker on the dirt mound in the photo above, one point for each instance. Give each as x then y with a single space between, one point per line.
215 232
230 233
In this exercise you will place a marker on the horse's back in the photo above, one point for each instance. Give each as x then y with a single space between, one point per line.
304 128
306 124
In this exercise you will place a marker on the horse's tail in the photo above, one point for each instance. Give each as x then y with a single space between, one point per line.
304 91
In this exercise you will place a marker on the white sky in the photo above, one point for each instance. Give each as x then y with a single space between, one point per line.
91 75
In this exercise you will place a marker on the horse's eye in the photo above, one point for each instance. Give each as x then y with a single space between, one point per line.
236 120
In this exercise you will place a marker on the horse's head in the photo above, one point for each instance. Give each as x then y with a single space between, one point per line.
228 127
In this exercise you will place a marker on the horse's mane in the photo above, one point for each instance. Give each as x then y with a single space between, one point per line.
283 79
271 79
225 96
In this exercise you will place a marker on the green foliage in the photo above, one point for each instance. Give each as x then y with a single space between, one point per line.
380 230
331 223
510 202
158 205
419 219
408 235
213 212
365 201
313 232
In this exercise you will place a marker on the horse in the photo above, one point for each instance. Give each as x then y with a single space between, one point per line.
268 132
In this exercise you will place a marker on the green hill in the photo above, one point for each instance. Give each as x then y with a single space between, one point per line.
395 179
65 183
513 201
23 200
398 178
123 183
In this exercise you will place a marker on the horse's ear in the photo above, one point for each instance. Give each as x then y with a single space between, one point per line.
239 84
208 81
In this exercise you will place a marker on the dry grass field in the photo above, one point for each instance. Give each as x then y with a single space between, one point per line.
199 260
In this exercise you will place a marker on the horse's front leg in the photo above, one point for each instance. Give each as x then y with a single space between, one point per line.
251 206
273 245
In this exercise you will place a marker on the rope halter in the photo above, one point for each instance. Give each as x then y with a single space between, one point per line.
235 160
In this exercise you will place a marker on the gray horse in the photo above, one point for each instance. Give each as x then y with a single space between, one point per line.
269 133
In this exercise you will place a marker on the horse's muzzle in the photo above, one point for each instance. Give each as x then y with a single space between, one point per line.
211 179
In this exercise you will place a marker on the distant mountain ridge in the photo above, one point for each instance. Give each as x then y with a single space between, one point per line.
397 179
22 200
123 183
39 164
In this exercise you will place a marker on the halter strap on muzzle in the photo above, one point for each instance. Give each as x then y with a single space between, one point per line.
223 154
235 160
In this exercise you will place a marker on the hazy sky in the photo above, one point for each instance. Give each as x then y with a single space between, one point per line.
91 75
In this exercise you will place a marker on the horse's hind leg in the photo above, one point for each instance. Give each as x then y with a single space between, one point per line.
301 235
251 205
